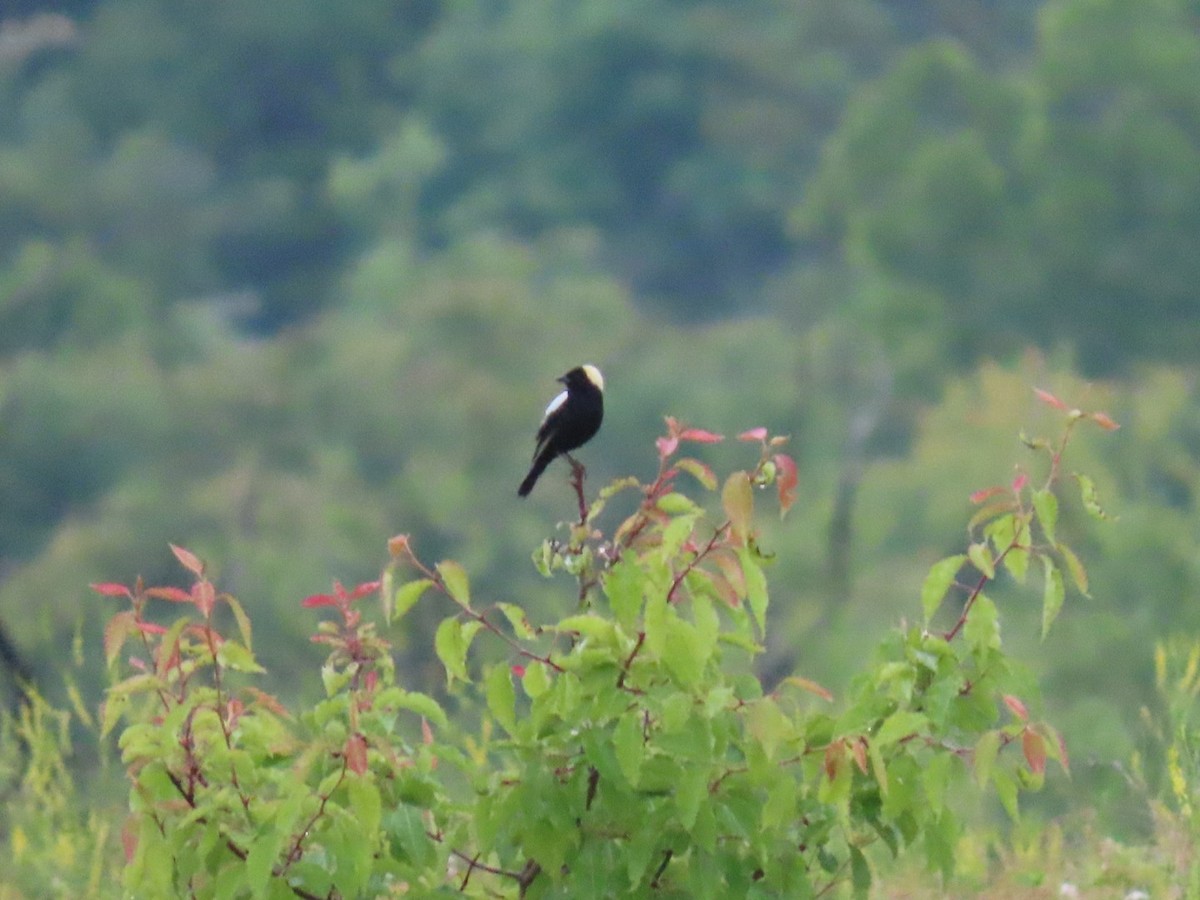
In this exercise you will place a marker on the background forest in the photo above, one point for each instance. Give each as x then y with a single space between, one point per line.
282 278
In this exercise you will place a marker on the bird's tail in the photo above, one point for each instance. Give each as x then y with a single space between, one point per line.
535 472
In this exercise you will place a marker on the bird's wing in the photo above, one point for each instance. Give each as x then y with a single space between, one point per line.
547 426
554 405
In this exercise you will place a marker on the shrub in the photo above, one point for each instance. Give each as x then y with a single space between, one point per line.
626 749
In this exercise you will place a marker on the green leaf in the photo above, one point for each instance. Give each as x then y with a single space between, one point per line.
675 533
623 587
243 620
937 583
1052 595
1075 567
234 655
860 873
454 579
900 725
982 631
1087 493
518 620
683 652
629 746
423 705
406 597
987 748
1016 560
501 697
981 559
366 805
690 792
756 587
450 644
780 807
699 471
536 680
1006 790
738 499
1045 504
676 504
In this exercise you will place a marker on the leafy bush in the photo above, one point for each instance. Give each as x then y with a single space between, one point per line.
627 748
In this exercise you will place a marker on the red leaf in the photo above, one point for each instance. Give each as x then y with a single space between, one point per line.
367 587
666 446
356 754
319 600
129 839
205 597
754 434
833 758
188 560
1063 758
518 670
787 478
1104 421
111 589
150 628
1049 399
1017 707
986 494
174 594
1034 746
1019 483
700 436
859 749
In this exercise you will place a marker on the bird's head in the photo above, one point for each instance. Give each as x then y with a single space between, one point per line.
582 376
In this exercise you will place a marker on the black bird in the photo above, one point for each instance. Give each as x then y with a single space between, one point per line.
571 419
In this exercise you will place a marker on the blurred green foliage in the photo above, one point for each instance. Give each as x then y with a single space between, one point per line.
276 280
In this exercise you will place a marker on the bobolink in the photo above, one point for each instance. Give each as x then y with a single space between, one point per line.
571 419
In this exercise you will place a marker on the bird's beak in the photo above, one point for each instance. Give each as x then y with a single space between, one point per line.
561 379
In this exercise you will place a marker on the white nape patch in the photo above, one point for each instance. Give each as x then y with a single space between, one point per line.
594 376
555 404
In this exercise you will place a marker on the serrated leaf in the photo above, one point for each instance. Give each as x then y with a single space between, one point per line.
737 497
501 697
450 645
116 630
536 680
188 560
454 579
236 656
860 873
937 583
981 558
243 620
406 597
1052 595
987 748
1089 497
698 470
623 587
899 725
1075 567
756 587
1033 745
518 620
675 533
629 746
1045 504
676 504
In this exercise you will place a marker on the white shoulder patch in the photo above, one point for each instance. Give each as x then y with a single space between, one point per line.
555 404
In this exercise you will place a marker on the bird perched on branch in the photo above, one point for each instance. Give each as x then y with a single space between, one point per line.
571 420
